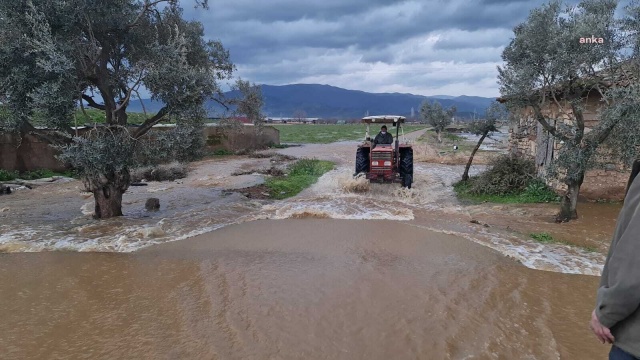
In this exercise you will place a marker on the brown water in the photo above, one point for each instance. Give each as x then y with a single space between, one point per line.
294 289
345 270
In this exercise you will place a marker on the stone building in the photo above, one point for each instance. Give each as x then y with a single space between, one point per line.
527 137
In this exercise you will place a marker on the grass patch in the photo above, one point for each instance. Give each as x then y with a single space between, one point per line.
301 174
6 175
94 116
546 238
324 133
452 137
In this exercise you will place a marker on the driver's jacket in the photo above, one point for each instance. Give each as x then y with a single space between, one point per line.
383 138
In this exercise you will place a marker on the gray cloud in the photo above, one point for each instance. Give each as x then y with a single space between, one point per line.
419 46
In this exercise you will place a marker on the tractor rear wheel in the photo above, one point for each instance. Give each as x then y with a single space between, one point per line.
406 167
362 160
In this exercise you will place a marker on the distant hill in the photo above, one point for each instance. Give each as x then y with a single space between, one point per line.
324 101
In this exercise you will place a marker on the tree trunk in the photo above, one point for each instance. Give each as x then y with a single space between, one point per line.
108 202
465 175
569 201
107 193
121 116
439 135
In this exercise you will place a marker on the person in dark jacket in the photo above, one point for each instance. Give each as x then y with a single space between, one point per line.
383 137
616 318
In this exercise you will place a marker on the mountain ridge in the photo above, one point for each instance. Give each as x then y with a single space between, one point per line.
332 102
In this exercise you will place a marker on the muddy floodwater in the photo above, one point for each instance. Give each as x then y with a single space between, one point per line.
295 289
344 270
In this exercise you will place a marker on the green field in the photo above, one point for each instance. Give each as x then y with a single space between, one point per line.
323 134
98 117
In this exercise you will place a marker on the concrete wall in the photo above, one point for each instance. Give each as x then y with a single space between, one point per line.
30 153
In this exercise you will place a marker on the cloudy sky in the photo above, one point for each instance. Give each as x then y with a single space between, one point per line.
426 47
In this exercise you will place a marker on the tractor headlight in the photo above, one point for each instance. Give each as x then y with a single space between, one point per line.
374 163
387 163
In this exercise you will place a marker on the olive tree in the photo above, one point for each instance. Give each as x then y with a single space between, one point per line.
483 128
435 115
58 54
550 73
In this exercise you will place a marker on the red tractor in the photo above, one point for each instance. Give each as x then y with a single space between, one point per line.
385 162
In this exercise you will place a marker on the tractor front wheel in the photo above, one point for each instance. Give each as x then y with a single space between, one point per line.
362 161
406 167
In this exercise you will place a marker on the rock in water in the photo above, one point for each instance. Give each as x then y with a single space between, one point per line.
4 190
152 204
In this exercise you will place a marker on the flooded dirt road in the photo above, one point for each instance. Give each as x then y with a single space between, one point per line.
344 270
294 289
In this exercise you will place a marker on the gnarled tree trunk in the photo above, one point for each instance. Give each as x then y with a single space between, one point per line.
107 193
439 133
465 175
569 201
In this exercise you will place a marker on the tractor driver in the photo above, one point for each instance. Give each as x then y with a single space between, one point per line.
383 137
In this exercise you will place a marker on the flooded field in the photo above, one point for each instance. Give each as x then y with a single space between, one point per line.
295 289
346 269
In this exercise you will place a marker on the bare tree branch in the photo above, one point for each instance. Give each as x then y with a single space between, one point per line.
145 8
92 102
150 122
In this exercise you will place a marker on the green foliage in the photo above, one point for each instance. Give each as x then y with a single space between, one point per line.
310 167
544 238
250 103
222 152
434 115
494 114
538 191
101 151
325 133
302 174
6 175
453 137
509 180
93 116
507 175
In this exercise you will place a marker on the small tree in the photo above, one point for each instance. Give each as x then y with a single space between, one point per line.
299 115
58 54
550 73
434 115
484 128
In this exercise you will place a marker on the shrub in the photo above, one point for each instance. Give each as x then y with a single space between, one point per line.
6 175
222 152
165 172
509 180
507 175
